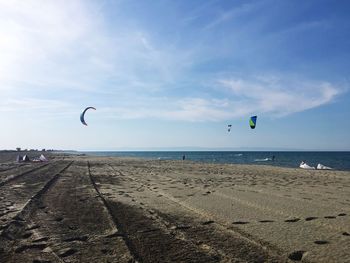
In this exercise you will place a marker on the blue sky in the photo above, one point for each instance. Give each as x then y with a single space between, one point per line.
170 74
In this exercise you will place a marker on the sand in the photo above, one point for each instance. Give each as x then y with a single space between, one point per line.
90 209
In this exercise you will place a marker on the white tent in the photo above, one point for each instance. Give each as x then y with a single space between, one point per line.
26 158
43 158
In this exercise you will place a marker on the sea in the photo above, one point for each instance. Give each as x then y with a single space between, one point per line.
335 160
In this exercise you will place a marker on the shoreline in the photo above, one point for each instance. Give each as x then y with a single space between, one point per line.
208 161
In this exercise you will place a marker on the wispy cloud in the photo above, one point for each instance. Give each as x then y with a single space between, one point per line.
269 95
227 15
279 97
64 45
55 48
42 44
185 109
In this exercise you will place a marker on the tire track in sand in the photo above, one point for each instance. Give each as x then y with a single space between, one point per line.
121 231
198 230
15 177
16 230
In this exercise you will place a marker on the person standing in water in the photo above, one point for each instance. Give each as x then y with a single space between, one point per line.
183 157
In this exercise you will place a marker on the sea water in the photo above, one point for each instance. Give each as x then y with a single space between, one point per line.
336 160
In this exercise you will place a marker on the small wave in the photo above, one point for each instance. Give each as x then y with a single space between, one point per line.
263 160
238 154
164 158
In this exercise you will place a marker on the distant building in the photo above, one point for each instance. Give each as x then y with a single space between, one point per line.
18 149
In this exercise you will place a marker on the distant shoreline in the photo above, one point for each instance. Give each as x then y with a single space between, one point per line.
291 159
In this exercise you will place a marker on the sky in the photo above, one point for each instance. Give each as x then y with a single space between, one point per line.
166 74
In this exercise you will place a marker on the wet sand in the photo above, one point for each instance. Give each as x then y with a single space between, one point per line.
89 209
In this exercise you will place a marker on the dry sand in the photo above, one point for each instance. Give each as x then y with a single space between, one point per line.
89 209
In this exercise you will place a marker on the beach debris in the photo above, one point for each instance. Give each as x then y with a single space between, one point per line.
323 167
229 127
252 121
304 165
82 115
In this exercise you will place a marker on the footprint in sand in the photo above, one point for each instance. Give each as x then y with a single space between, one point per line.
32 227
41 239
345 234
208 222
27 235
67 252
296 255
105 251
182 227
30 246
77 238
292 220
311 218
41 261
342 214
330 217
266 221
58 219
321 242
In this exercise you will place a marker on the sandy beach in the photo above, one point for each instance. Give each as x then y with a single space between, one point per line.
101 209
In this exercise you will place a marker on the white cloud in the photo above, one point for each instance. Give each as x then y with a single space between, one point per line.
277 96
67 45
56 47
34 34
